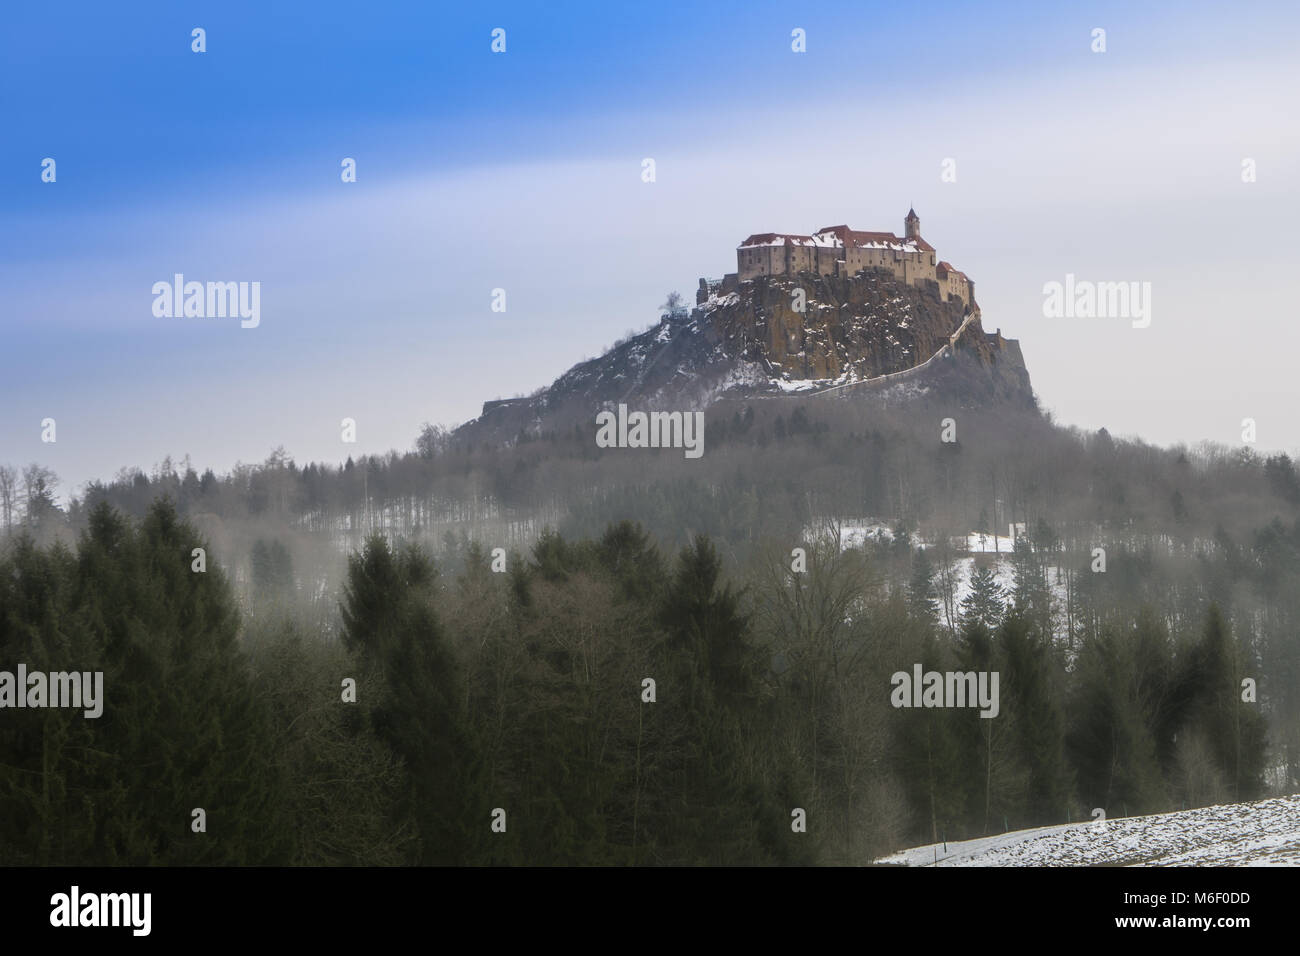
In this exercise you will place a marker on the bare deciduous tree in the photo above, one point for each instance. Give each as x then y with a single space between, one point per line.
673 303
8 489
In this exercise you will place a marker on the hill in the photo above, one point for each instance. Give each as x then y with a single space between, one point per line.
777 336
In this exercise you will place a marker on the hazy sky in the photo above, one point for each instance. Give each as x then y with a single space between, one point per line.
522 171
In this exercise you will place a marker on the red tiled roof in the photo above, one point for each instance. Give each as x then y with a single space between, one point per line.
847 235
857 235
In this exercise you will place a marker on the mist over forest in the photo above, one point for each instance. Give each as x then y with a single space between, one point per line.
501 606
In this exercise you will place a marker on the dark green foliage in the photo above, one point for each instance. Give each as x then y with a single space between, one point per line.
986 603
1030 593
1212 713
1032 681
526 691
927 755
181 725
921 595
709 688
390 627
1113 744
706 627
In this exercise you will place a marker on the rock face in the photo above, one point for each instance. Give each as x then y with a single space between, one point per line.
849 329
757 342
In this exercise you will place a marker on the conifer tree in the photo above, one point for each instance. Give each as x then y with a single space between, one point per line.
927 753
1112 744
1232 729
181 712
710 671
181 726
994 775
921 593
390 627
46 752
1030 692
1031 595
986 602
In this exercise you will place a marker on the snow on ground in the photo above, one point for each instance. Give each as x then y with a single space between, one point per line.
981 542
993 549
857 535
854 533
1263 833
1004 573
811 385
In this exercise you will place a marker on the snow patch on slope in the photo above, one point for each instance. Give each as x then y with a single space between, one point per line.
1263 833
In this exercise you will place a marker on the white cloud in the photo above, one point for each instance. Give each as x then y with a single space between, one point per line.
376 295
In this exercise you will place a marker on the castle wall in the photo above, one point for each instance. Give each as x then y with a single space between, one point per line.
790 258
857 258
824 259
785 259
956 286
919 265
799 259
909 267
754 262
773 260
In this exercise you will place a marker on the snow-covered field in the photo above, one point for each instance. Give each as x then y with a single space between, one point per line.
1263 833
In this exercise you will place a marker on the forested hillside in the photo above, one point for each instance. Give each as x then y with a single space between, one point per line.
501 608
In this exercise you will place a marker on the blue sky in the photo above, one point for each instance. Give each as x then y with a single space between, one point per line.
522 171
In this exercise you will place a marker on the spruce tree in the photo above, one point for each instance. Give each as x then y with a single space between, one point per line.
1031 595
1030 691
181 724
986 602
921 593
47 755
392 631
710 672
1112 744
928 756
181 708
1232 729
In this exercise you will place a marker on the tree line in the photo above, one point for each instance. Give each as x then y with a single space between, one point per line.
598 700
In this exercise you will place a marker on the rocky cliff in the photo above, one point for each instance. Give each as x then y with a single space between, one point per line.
778 336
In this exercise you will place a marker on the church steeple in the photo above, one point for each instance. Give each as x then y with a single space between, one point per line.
912 225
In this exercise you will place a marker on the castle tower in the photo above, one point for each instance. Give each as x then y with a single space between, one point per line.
912 225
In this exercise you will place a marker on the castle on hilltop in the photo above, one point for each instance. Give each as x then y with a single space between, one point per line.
841 251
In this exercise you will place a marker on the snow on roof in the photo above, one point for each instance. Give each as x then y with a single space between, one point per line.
863 239
833 237
783 239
